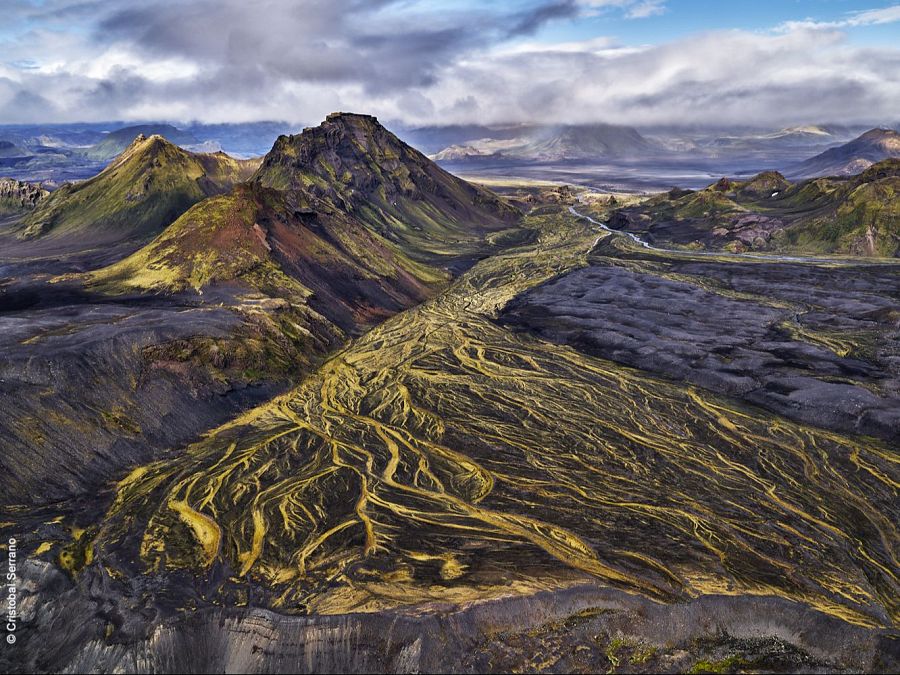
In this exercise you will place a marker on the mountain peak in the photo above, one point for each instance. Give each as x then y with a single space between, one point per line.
351 117
879 132
350 162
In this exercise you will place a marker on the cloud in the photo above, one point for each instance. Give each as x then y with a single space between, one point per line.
870 17
632 9
232 60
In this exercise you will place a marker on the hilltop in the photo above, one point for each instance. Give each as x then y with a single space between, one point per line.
145 188
858 215
116 142
353 164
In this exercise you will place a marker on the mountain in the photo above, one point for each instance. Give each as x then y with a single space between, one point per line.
353 164
144 189
859 215
554 144
433 139
585 142
117 141
853 157
18 197
345 213
810 136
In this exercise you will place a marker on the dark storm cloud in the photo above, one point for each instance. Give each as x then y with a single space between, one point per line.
341 41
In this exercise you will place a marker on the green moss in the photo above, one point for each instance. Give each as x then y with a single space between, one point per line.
725 665
116 420
138 194
642 654
612 650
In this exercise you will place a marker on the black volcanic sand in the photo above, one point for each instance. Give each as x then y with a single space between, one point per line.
816 343
81 401
23 259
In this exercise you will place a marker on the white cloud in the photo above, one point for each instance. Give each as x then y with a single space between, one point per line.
229 60
870 17
632 9
642 10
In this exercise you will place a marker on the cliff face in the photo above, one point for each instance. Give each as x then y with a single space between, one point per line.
582 628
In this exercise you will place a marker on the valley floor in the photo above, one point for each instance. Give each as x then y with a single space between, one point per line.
471 486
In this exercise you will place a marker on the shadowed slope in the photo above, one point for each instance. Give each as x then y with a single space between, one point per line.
860 153
252 236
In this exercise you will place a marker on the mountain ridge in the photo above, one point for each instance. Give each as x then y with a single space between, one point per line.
852 157
859 215
551 144
142 190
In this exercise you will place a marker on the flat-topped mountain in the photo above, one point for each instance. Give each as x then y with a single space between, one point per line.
144 189
853 157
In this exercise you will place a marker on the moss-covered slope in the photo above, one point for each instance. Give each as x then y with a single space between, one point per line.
355 165
254 237
142 191
116 142
858 215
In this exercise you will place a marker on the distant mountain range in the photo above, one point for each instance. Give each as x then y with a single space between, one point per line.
556 144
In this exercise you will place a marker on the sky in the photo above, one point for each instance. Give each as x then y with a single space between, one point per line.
765 63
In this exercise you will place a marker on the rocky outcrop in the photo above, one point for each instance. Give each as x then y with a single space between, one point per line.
19 197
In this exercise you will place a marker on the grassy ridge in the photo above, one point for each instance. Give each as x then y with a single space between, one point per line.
858 215
147 187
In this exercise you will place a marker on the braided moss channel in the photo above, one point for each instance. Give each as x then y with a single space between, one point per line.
442 457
